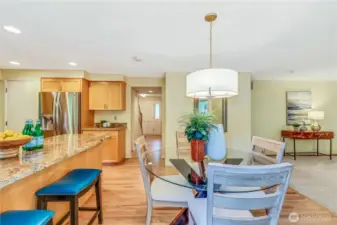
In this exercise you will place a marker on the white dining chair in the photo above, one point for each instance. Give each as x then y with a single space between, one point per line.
183 146
160 192
229 209
261 154
263 149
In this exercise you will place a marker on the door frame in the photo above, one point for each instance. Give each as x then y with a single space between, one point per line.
129 92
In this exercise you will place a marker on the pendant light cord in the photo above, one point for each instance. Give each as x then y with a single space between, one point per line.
210 46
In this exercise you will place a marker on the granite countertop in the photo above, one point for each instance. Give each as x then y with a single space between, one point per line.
56 149
104 128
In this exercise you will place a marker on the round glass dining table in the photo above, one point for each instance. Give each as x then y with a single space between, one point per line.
191 172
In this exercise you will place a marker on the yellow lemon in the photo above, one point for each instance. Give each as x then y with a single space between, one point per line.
9 133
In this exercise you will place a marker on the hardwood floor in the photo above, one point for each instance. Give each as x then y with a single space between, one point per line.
125 204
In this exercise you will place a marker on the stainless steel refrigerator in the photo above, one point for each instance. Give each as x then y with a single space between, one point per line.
60 112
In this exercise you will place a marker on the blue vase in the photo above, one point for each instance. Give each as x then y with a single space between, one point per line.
216 145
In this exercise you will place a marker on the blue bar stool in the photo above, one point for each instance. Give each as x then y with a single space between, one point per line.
70 188
27 217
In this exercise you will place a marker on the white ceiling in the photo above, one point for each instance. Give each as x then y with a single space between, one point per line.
278 40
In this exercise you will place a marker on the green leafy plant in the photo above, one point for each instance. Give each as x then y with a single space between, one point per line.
197 125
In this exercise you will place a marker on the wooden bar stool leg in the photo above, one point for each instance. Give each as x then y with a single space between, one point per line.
50 222
41 203
99 200
74 211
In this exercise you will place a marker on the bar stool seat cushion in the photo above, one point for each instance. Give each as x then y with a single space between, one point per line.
26 217
71 184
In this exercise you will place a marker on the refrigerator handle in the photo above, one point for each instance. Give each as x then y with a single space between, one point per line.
57 113
54 112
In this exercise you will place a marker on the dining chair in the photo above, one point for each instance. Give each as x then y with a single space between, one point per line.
235 208
183 146
263 149
160 192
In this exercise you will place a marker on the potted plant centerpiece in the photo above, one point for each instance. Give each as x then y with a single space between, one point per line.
197 129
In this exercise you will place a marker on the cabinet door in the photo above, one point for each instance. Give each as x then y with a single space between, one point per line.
98 96
110 151
50 85
116 92
71 85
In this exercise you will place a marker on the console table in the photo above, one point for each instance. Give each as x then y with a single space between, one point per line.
298 135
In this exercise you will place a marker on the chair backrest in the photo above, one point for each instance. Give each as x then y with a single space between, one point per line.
247 176
141 149
267 146
146 178
183 146
142 143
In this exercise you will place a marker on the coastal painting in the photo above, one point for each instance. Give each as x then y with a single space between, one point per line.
298 106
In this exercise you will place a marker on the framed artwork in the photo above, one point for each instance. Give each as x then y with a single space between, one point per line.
219 109
299 103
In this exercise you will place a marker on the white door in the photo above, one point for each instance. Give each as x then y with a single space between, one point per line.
151 111
22 103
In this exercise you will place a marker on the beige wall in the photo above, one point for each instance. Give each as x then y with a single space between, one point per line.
269 109
239 112
239 118
2 99
37 74
177 105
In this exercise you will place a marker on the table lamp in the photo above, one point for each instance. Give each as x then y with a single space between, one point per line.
315 116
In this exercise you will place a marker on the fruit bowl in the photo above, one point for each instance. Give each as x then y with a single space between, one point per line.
10 148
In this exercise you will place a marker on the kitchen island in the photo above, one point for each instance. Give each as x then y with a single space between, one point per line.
22 176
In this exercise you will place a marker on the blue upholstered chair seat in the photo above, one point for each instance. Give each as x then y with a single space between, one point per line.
71 184
26 217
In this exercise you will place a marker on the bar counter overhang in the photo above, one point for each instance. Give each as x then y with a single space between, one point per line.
21 177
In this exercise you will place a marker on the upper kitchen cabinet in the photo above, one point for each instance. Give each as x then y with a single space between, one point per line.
61 84
98 97
107 95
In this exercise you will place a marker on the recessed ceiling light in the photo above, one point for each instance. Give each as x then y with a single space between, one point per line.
150 91
135 58
12 29
72 63
143 95
14 63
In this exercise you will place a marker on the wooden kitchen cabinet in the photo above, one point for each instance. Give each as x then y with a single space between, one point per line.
107 96
116 96
50 85
98 97
61 84
114 148
71 85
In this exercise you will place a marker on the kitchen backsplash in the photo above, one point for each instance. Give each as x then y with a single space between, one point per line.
111 116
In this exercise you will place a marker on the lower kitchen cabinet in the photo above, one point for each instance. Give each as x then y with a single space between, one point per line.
114 148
